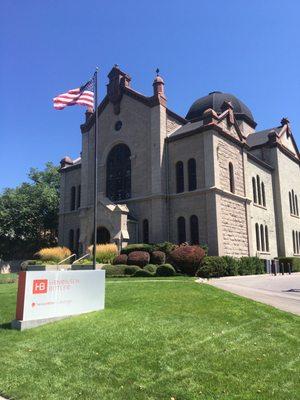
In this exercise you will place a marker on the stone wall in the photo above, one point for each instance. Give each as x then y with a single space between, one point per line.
234 227
232 215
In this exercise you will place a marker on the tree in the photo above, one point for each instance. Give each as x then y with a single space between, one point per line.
29 214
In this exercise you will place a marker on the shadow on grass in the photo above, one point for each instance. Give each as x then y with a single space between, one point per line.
6 325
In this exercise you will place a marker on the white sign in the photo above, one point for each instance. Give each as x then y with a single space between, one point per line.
50 294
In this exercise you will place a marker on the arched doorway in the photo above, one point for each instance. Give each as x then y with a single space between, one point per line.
103 235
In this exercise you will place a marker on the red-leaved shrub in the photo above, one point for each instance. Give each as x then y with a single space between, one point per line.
121 259
187 259
158 257
140 258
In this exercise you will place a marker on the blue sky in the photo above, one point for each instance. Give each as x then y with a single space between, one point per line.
247 48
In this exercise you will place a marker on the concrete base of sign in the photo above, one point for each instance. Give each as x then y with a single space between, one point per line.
22 325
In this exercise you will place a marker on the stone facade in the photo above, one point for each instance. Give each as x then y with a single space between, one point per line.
188 179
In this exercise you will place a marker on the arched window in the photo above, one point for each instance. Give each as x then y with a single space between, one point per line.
73 198
263 195
257 237
192 174
179 177
145 231
254 190
297 242
296 205
291 203
258 189
262 238
118 173
78 196
77 241
194 229
231 177
294 243
181 233
267 238
103 235
71 240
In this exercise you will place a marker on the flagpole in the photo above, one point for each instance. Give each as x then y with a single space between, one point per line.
95 167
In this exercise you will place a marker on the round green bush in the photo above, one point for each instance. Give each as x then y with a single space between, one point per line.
143 273
165 270
187 259
120 259
131 269
150 268
140 258
158 257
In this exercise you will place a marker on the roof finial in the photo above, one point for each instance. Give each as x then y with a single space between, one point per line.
157 71
284 121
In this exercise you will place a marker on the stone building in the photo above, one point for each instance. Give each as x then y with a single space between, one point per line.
207 178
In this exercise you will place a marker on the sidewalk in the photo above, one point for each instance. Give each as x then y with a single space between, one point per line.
281 291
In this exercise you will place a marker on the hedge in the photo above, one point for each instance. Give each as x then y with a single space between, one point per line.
150 268
140 258
212 267
293 261
144 273
187 259
251 266
215 267
165 270
131 269
114 270
120 259
158 257
138 247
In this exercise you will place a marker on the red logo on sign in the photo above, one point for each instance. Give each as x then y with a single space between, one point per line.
40 286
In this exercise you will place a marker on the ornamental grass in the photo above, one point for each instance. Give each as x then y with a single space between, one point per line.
105 253
54 254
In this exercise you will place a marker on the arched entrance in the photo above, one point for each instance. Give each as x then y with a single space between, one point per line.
103 235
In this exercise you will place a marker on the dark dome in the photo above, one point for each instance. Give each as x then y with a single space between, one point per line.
215 101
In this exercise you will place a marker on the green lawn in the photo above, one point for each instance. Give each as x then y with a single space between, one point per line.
155 340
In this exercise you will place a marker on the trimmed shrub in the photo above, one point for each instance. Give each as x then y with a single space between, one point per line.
232 266
138 247
150 268
251 266
131 269
158 257
140 258
165 247
53 254
114 270
105 253
293 261
165 270
120 259
187 259
144 273
212 267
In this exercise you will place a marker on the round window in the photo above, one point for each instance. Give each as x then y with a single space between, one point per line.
118 125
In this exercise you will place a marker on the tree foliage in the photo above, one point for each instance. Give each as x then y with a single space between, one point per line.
29 214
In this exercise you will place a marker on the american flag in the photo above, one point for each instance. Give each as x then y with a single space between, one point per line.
83 96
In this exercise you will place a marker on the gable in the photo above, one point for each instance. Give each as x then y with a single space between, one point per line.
287 140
